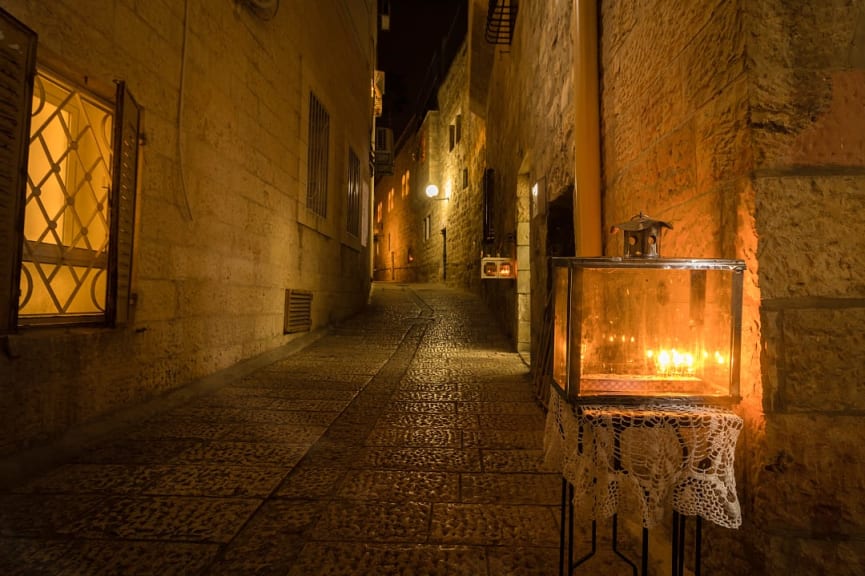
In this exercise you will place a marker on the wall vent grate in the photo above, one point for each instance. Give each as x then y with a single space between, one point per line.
298 311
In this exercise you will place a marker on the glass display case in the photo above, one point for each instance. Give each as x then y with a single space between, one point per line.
633 329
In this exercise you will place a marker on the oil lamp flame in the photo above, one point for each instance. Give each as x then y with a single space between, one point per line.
674 362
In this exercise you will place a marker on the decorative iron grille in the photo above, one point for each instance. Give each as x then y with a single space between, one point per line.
66 215
317 162
353 212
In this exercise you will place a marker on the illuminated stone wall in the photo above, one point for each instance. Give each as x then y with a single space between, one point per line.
741 123
527 90
224 228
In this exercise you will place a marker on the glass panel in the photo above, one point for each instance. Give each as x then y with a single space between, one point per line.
560 327
658 332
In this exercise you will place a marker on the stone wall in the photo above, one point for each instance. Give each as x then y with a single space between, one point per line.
394 221
457 170
806 94
223 225
529 139
741 123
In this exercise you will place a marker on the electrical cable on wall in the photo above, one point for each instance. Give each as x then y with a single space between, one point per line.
263 9
180 160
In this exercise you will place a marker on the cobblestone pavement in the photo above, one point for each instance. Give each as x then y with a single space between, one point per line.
403 442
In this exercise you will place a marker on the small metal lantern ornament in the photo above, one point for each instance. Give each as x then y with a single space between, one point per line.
642 236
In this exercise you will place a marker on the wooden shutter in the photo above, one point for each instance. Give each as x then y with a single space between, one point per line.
122 204
17 69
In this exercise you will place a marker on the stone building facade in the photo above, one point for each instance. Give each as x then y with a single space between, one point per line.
442 233
741 123
228 217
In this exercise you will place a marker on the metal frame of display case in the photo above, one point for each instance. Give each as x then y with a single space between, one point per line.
575 266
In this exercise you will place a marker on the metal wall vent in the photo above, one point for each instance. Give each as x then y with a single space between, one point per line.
298 311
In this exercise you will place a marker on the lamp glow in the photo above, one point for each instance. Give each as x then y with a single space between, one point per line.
432 190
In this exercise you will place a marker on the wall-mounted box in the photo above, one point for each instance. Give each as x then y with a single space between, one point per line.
498 269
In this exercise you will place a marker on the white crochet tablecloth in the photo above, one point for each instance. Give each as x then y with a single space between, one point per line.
651 457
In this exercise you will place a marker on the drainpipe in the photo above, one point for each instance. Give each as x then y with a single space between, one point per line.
587 169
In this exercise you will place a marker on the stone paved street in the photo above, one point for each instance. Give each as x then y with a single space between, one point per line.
405 441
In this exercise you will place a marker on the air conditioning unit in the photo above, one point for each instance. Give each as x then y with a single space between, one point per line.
498 269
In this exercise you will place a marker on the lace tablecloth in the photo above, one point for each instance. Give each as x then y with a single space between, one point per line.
652 456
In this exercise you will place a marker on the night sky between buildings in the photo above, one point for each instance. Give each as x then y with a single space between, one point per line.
406 53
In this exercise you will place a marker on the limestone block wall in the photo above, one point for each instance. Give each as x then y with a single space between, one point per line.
223 225
741 123
461 170
446 151
428 216
806 94
529 139
394 223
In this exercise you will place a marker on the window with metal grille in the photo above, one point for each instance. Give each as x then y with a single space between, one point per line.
67 226
317 161
353 201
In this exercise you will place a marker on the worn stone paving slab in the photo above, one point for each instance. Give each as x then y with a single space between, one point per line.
422 407
334 453
272 539
308 480
419 396
494 524
373 521
181 519
313 405
279 433
22 557
458 421
399 486
524 394
421 437
510 461
243 454
42 515
128 451
202 413
524 561
159 429
311 391
335 559
540 489
503 439
249 402
94 479
526 421
220 481
522 408
296 417
435 459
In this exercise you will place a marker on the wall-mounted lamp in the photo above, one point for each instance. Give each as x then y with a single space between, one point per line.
432 191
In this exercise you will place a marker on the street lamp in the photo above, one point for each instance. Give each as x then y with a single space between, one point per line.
432 191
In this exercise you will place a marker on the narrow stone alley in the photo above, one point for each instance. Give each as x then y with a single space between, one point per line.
405 441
